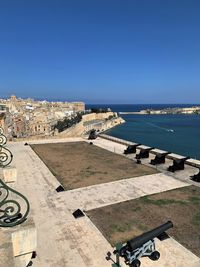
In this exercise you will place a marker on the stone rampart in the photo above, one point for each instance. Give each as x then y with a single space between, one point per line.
74 131
97 116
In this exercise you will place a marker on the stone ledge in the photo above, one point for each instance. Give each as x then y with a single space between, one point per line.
9 174
18 244
24 238
6 250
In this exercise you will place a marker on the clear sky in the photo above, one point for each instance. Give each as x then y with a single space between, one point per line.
101 51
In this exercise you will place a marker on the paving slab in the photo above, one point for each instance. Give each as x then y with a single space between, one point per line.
172 254
96 196
109 145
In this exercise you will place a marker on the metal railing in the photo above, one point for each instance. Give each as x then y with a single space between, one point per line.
11 212
5 154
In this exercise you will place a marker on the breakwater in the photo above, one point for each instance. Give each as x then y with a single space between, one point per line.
132 112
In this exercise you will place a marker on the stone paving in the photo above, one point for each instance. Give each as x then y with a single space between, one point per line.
68 242
96 196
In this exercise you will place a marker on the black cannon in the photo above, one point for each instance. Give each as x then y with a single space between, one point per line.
144 153
178 164
159 159
92 135
143 245
196 177
130 149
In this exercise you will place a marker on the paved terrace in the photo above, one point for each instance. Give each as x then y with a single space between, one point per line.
67 242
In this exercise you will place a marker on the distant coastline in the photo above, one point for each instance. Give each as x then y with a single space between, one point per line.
132 112
139 107
174 110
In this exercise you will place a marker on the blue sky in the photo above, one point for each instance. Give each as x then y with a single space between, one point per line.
101 51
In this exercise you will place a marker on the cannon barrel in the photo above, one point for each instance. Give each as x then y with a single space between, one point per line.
142 239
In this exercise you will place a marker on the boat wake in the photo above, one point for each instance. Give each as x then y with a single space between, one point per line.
162 128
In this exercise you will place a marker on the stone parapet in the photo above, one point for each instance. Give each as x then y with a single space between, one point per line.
24 242
8 174
6 250
18 244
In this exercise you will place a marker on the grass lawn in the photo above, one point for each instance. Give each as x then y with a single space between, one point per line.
123 221
79 164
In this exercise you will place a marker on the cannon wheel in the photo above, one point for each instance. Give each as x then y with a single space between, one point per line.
122 251
135 263
154 256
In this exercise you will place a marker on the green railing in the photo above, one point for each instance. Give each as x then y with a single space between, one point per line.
5 154
12 212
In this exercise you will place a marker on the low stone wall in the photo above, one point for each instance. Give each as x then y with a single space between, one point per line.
9 174
18 244
24 242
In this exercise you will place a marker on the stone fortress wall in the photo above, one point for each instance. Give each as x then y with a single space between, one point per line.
97 121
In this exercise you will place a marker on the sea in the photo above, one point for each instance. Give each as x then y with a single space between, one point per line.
177 133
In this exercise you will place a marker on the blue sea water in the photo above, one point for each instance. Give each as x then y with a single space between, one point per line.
156 130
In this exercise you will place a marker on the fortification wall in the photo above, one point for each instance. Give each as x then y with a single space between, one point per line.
79 129
97 116
74 131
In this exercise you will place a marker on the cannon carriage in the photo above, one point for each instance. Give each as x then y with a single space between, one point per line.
196 177
144 152
160 156
131 149
178 162
143 246
92 135
196 164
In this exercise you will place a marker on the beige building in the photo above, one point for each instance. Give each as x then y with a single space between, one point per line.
41 125
2 117
78 106
19 128
26 117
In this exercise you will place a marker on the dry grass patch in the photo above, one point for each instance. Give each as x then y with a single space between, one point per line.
80 164
123 221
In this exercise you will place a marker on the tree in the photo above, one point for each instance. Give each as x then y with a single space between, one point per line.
67 123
